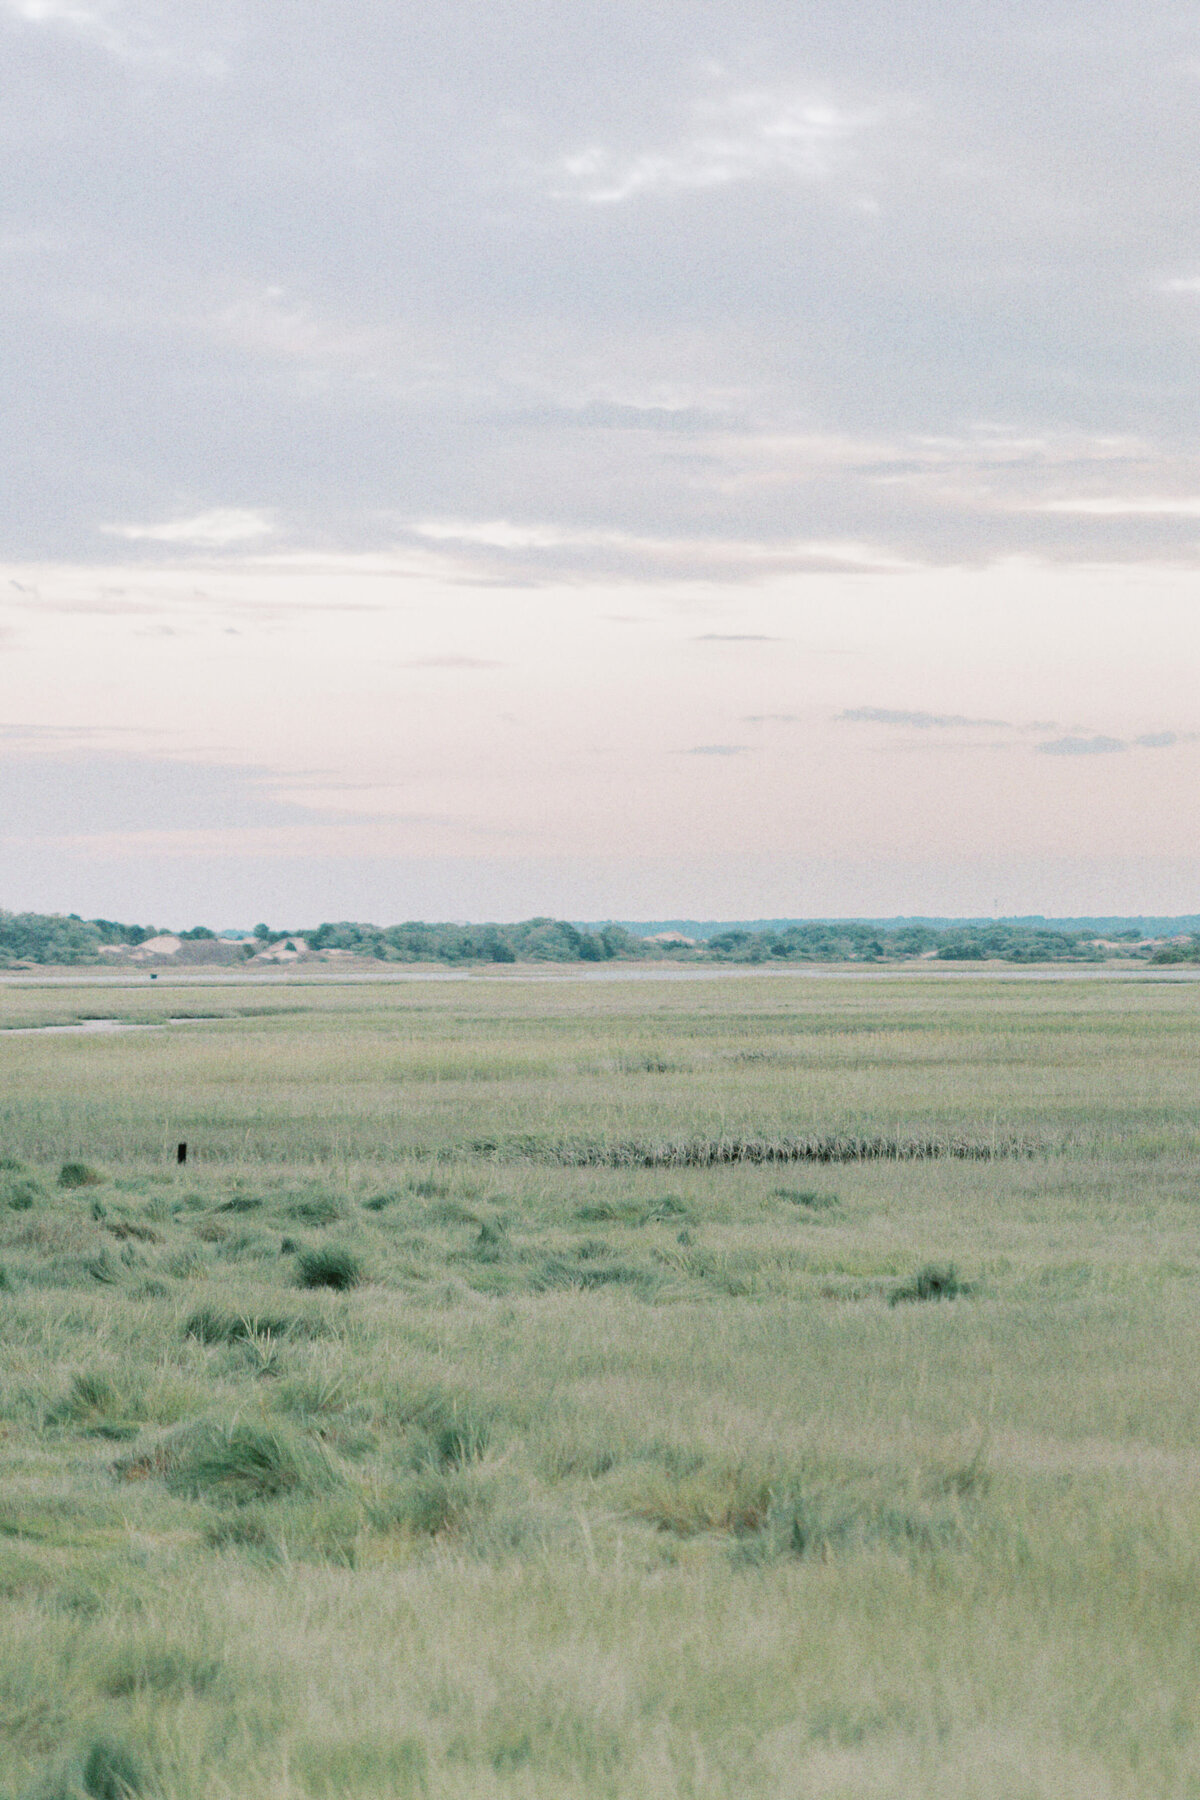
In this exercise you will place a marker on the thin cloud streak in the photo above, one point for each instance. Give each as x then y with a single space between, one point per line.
217 529
740 137
921 721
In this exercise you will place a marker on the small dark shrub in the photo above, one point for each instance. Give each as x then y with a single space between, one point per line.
935 1281
78 1175
331 1267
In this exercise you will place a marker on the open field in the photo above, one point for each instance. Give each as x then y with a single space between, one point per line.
739 1388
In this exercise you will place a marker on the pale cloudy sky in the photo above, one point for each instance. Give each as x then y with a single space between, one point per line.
626 460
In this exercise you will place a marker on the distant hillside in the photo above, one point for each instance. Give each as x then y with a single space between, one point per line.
32 939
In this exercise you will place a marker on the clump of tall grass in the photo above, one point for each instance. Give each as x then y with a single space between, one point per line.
611 1212
427 1188
933 1281
452 1212
151 1666
433 1501
79 1175
377 1203
104 1769
239 1461
772 1512
95 1402
728 1497
20 1192
442 1428
215 1325
333 1266
111 1771
125 1229
317 1209
491 1245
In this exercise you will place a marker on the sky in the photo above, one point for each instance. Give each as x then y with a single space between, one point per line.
681 461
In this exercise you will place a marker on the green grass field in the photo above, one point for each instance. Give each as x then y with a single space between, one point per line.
745 1388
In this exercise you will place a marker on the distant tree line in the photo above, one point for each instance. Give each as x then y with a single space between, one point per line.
854 942
55 938
69 939
533 940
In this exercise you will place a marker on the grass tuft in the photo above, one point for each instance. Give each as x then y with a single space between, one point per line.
212 1325
934 1281
807 1197
333 1266
21 1192
104 1769
79 1175
238 1462
317 1209
94 1402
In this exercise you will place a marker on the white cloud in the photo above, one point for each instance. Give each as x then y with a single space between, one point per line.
503 534
93 20
213 530
744 137
1118 506
267 323
118 28
508 536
